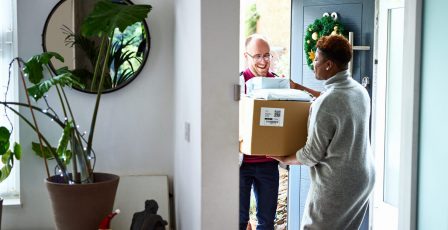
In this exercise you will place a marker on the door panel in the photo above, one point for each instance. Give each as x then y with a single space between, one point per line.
357 16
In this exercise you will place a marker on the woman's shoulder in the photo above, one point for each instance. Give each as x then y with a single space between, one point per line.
325 102
334 100
348 88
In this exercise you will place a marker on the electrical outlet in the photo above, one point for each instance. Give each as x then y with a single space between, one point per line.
187 131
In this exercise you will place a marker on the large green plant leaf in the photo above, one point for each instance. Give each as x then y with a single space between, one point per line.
6 156
5 171
46 150
8 162
9 154
65 156
106 16
34 67
64 79
63 153
64 140
17 151
4 140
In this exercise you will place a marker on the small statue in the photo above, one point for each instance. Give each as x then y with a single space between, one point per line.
148 218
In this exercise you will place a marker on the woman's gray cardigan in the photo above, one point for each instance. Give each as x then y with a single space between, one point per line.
339 155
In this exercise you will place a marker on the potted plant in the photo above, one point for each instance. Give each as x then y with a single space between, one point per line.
73 154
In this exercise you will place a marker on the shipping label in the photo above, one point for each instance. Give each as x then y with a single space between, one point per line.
272 116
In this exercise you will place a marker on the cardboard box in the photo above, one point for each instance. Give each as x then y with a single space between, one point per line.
271 127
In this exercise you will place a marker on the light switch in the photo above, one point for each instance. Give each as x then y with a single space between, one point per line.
187 131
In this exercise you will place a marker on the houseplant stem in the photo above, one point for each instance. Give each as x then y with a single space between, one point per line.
100 88
97 63
76 140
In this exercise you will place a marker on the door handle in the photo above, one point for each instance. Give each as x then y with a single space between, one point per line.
365 81
360 48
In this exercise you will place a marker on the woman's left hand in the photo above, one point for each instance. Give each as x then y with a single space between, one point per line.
293 85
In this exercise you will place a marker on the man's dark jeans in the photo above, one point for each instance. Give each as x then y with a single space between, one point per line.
264 178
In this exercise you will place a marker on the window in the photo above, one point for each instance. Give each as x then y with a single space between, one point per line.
9 189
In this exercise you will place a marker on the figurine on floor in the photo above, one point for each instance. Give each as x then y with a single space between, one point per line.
148 218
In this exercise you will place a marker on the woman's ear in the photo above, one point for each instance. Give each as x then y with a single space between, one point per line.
329 65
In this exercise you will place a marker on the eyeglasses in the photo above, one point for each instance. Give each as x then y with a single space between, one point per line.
259 57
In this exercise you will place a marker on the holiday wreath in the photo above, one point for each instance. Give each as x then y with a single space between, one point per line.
327 25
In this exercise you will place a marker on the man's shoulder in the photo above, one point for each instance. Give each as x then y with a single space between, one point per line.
247 73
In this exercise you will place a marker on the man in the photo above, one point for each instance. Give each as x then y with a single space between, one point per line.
258 172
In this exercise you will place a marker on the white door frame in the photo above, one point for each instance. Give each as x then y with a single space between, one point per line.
407 205
384 215
408 178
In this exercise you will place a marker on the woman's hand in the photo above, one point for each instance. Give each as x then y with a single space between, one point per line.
287 160
293 85
298 86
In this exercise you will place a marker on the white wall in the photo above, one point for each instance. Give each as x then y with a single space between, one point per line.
220 63
187 78
206 67
134 133
432 204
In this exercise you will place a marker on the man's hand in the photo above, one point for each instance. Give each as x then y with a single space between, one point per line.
287 160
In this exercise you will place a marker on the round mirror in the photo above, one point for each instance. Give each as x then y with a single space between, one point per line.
128 54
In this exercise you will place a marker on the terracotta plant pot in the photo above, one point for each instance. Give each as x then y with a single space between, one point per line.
82 206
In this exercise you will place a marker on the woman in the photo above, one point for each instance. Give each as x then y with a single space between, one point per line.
338 147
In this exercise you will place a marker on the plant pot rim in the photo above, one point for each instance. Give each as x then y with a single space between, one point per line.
109 177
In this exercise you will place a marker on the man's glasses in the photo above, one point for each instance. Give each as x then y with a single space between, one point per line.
259 57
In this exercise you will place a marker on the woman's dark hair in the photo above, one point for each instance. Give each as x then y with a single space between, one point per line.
336 48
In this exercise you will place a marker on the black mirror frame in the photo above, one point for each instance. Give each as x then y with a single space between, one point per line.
137 72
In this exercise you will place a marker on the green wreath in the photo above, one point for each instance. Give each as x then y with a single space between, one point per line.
321 27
